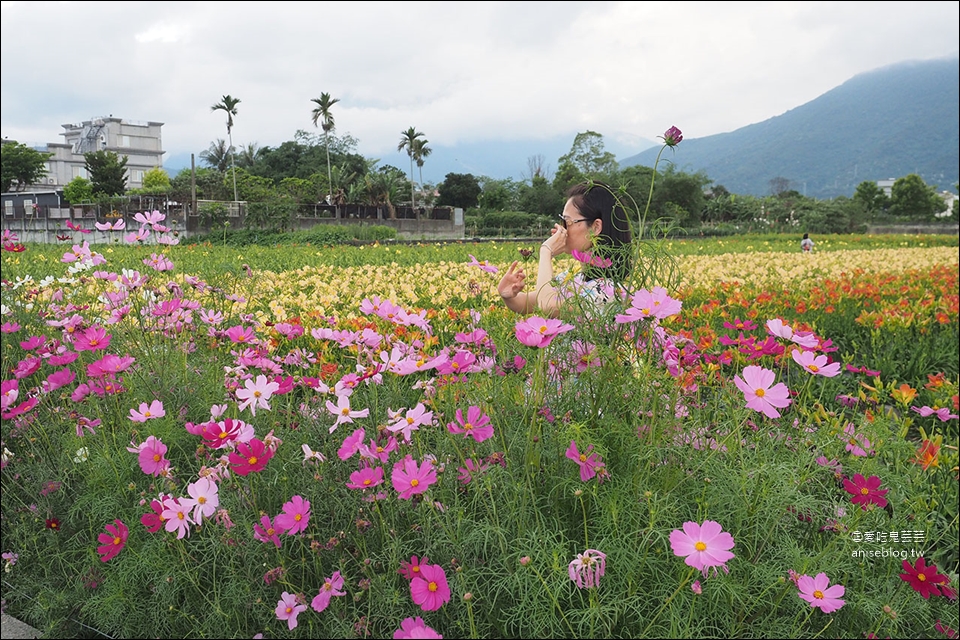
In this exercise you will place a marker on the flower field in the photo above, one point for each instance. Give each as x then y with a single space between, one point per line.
305 441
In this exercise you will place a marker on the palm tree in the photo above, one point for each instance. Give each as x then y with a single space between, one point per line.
229 105
322 113
408 141
420 152
218 155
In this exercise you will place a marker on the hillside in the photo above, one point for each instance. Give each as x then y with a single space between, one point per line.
886 123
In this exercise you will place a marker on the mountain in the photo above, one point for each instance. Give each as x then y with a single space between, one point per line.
885 123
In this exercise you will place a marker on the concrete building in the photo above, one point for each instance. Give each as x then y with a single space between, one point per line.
140 142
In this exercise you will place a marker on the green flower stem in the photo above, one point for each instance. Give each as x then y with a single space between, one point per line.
553 599
673 595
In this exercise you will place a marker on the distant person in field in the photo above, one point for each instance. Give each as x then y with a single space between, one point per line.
806 245
594 224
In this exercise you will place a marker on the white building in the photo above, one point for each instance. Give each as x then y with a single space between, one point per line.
139 142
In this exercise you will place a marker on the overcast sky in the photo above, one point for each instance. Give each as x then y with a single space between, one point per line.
456 71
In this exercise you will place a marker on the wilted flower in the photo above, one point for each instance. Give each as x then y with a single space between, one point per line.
587 568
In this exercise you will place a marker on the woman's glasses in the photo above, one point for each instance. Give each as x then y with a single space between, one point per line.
566 223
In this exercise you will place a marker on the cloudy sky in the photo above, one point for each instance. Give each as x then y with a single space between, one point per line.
460 72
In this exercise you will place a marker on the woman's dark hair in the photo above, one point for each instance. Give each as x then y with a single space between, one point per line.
596 201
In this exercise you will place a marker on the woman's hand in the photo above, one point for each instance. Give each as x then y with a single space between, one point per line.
557 242
512 282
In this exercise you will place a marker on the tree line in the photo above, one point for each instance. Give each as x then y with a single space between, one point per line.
325 168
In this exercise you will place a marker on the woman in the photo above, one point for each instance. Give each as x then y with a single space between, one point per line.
594 224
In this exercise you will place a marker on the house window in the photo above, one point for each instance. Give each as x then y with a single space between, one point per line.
136 175
124 141
80 172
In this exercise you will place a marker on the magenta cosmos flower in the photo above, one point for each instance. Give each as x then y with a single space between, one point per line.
476 425
411 570
703 546
587 568
112 541
151 456
924 578
295 516
146 411
267 531
865 491
429 589
288 608
818 592
409 479
414 628
760 392
817 365
250 457
672 137
366 478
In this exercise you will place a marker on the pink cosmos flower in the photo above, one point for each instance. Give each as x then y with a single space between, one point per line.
942 412
332 586
204 499
818 593
760 392
218 435
672 137
343 411
588 462
151 456
703 546
650 304
177 517
857 443
241 335
429 588
266 531
256 393
57 379
379 452
540 332
409 479
414 628
366 478
153 521
113 541
288 608
159 262
477 424
250 457
776 327
148 412
818 365
411 421
309 455
865 491
295 516
351 444
587 568
484 266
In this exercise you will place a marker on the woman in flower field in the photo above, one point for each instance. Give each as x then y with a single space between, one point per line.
594 229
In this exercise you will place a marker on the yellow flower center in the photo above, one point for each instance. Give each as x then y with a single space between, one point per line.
583 458
814 368
180 515
156 457
252 460
467 426
367 481
117 540
298 517
271 531
921 577
432 586
700 546
818 594
257 394
414 482
759 393
146 414
410 420
345 411
864 491
202 500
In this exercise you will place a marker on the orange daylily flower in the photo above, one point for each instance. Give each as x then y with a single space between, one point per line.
928 455
904 394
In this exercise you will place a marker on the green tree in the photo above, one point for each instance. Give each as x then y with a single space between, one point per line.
588 155
21 166
499 195
408 141
459 190
911 197
871 197
540 198
217 155
107 171
321 113
156 181
567 175
229 104
78 190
